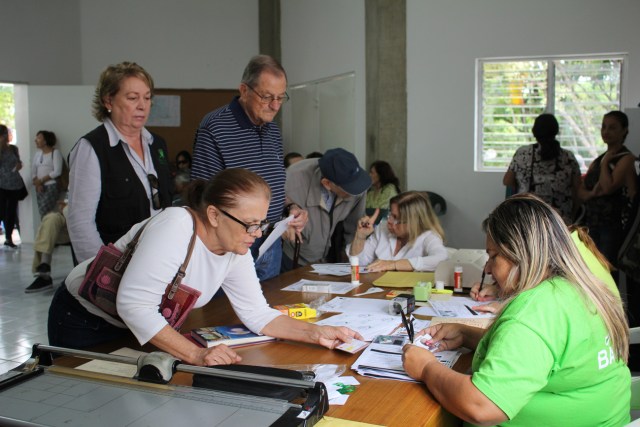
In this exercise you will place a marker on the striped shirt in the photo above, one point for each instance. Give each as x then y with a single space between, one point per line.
227 138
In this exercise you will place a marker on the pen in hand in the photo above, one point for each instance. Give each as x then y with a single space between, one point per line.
482 278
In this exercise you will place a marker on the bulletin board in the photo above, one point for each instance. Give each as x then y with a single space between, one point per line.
194 105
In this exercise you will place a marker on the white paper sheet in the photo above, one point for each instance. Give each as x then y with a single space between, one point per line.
369 325
336 269
356 305
459 307
278 230
339 288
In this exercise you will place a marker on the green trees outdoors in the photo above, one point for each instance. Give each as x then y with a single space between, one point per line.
578 91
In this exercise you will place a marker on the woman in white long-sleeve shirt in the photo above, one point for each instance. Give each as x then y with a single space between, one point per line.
410 240
46 167
230 211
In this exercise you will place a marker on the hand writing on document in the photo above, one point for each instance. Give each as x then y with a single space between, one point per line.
489 292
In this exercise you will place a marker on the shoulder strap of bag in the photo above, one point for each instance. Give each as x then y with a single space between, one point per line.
177 280
130 249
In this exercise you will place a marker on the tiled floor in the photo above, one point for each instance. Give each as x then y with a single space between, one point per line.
23 317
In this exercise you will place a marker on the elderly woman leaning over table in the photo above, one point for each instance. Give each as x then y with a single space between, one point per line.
557 352
229 214
411 239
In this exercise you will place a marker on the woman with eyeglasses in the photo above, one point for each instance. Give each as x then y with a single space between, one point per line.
230 214
119 172
556 353
410 240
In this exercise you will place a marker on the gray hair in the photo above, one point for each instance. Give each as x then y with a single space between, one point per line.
260 64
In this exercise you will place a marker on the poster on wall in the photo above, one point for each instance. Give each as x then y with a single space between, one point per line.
165 111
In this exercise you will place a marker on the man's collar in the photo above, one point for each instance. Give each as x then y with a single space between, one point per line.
241 116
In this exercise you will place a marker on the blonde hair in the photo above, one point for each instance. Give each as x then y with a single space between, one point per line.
416 213
533 237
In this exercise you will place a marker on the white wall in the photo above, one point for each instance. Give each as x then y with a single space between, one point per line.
183 44
443 41
40 42
326 38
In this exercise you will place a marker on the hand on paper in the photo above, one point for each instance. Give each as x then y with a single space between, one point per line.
492 307
381 265
489 292
366 225
450 336
331 336
415 359
218 355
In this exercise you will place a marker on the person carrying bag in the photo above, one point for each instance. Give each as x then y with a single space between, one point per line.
227 214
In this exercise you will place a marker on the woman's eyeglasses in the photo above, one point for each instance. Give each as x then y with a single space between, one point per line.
155 195
250 228
391 219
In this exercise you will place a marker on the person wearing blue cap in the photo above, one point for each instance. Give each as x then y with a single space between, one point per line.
331 189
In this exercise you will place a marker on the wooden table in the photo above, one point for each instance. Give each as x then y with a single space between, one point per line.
375 401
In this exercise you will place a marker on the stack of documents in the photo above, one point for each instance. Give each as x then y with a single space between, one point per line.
383 358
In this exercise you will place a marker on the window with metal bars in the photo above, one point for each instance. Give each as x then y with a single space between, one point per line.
512 92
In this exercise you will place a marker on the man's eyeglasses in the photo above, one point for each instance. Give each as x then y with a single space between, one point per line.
268 99
155 195
250 228
391 219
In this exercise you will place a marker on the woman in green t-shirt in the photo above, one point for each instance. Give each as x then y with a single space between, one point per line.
384 185
557 352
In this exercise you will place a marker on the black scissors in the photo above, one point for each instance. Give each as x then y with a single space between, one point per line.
408 325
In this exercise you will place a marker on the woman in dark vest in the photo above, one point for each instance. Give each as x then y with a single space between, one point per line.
119 172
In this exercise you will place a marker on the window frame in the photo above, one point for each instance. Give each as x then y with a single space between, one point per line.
550 108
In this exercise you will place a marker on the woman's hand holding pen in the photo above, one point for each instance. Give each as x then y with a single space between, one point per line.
488 292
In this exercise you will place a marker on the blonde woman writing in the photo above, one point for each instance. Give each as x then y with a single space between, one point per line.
410 240
557 352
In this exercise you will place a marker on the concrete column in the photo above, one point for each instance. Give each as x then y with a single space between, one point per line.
386 93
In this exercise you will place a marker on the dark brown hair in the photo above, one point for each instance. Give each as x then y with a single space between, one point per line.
223 190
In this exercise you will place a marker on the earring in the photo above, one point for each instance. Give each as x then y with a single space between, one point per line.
109 111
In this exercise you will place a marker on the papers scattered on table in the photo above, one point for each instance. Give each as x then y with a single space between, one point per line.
403 279
278 230
373 290
459 307
369 325
339 288
356 305
337 269
114 368
338 389
383 358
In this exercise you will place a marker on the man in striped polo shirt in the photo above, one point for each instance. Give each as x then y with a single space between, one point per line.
242 135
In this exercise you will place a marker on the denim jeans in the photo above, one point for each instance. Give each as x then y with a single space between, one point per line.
268 265
70 325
